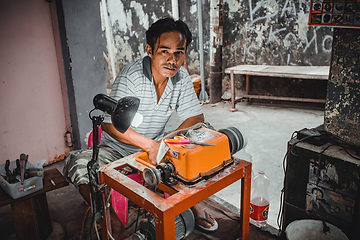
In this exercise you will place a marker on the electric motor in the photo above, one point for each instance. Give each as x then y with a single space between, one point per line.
184 225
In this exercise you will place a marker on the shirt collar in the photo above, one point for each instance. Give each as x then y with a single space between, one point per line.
148 73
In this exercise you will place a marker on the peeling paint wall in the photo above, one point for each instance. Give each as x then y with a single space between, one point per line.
255 32
129 21
342 111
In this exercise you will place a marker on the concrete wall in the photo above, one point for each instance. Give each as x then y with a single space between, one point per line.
85 43
255 32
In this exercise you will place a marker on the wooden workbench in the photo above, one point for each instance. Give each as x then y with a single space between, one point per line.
301 72
31 213
182 197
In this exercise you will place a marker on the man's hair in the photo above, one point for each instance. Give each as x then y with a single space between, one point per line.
165 25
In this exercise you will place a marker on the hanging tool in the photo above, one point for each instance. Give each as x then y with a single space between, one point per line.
184 140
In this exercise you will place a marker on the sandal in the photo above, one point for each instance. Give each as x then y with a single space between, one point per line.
201 228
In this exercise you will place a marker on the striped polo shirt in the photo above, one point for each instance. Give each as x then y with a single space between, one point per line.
136 80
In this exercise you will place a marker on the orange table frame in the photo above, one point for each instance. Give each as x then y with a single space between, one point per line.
182 197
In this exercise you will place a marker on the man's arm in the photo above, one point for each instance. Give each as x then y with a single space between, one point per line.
148 145
191 121
135 139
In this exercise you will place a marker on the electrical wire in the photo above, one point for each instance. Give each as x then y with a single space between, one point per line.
138 216
106 204
84 219
112 238
280 220
137 220
333 142
130 225
205 176
147 226
149 219
93 222
97 232
350 154
92 215
290 150
342 144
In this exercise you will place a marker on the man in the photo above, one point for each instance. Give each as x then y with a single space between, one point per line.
163 86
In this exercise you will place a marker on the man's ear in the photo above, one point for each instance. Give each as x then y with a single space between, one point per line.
149 50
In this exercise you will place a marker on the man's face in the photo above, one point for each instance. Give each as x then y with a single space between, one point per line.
167 56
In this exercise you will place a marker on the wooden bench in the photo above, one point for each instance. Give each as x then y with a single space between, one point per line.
31 213
301 72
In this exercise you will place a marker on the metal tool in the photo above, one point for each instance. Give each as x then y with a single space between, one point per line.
23 161
17 169
21 171
10 176
7 170
33 173
184 140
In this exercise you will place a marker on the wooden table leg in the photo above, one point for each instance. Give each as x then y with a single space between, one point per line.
232 82
31 218
245 203
247 84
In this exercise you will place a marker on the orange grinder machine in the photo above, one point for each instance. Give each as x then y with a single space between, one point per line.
193 155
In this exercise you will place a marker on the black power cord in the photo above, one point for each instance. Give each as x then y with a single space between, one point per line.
280 219
319 138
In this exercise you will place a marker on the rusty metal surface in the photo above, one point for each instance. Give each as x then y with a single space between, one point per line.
181 198
342 115
56 158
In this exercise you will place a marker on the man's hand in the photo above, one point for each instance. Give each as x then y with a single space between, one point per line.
153 151
135 139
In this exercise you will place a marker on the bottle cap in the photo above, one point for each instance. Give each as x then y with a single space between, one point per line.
261 172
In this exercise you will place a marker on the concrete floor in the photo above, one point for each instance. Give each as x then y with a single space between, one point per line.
267 129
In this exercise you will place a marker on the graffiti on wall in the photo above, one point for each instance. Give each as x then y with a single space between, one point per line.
275 32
